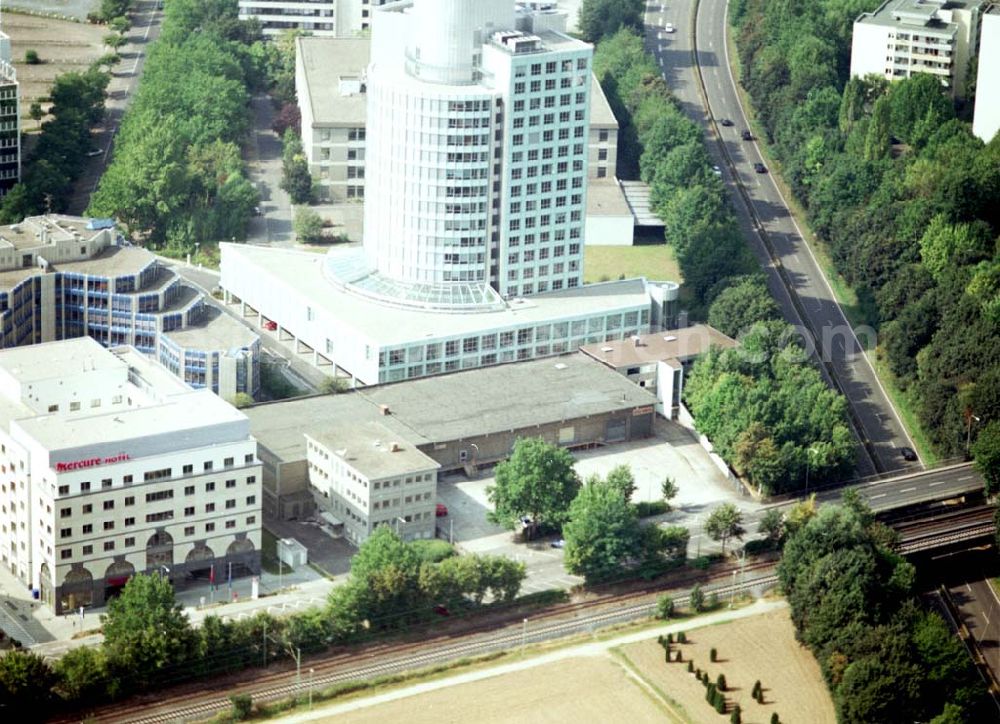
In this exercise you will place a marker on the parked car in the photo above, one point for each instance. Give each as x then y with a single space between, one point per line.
95 152
558 543
668 28
440 510
747 136
257 211
270 326
725 122
760 168
908 453
441 610
716 170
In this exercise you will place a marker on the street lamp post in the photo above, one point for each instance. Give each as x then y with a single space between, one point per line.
311 672
809 454
732 591
969 417
524 633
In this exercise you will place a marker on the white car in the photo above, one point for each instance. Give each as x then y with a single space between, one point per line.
668 28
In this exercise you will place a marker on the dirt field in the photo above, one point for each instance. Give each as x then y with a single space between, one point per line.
585 689
761 647
62 45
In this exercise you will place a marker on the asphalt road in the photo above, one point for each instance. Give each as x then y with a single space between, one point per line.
146 19
979 608
811 300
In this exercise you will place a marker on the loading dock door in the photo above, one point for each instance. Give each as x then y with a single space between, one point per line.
616 430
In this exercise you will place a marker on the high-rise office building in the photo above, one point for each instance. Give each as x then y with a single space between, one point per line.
986 120
476 145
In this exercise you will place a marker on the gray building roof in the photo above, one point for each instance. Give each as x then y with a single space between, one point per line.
373 449
456 406
675 344
325 61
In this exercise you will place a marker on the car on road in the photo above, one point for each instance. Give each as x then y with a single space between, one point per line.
257 211
440 510
747 136
669 28
95 152
908 454
558 543
725 122
270 326
760 168
716 170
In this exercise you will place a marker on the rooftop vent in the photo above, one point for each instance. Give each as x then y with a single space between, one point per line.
394 447
607 349
636 341
670 338
384 410
560 366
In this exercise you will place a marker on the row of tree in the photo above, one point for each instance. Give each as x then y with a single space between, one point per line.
149 641
902 194
60 152
852 603
769 413
177 177
664 148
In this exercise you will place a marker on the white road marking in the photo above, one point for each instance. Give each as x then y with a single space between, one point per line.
880 495
907 490
967 477
931 485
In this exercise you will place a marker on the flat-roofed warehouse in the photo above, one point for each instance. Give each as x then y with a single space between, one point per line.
461 420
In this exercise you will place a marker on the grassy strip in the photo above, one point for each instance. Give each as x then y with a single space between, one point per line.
906 406
673 707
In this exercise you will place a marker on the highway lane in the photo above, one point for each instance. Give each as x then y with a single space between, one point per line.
979 608
814 302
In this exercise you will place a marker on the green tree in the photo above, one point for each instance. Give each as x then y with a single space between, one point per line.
146 633
669 491
723 523
696 599
307 224
664 607
621 479
25 683
879 140
537 482
772 526
31 57
602 533
986 454
943 245
740 306
115 40
242 706
602 18
82 675
36 113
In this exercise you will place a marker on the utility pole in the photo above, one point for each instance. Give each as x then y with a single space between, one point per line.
524 633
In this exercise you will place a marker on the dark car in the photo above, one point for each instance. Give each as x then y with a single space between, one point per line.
440 510
747 136
908 454
760 168
442 610
725 122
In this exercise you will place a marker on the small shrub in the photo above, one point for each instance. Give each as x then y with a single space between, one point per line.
665 608
670 637
697 598
720 703
681 637
720 682
679 657
713 600
712 655
647 509
242 706
736 716
697 674
660 639
774 718
710 693
690 667
31 57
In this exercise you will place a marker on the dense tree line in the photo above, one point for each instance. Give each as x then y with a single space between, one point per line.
903 195
177 177
769 413
149 642
660 145
852 603
60 154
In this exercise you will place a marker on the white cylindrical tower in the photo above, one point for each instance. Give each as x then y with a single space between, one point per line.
446 34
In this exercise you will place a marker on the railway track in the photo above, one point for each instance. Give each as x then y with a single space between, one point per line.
385 659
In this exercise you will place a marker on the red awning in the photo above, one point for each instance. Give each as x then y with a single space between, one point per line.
118 580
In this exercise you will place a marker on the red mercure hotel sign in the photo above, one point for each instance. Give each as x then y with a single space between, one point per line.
90 463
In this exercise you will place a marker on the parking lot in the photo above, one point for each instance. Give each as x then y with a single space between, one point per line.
671 452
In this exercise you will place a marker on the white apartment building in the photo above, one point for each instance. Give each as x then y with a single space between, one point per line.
110 465
904 37
986 119
365 476
10 119
329 18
